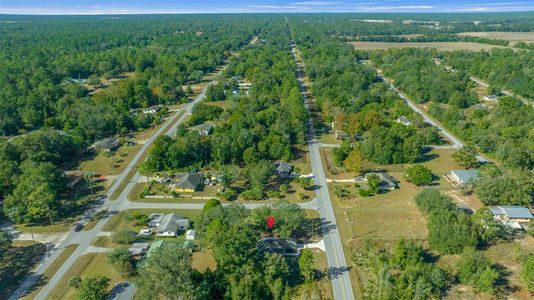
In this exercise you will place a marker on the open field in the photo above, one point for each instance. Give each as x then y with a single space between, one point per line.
527 37
442 46
87 265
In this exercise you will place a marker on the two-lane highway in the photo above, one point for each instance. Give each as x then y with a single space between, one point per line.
337 265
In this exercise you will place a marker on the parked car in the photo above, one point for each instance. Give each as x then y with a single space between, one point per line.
145 232
78 227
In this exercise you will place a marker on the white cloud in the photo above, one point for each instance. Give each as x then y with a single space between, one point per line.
315 3
474 9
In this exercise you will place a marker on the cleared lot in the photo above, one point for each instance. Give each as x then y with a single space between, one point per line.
509 36
442 46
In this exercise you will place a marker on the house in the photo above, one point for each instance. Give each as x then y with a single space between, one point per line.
152 109
404 121
190 235
491 98
340 134
283 169
387 182
170 224
203 129
106 145
139 249
74 178
155 219
462 177
187 245
187 182
516 217
282 246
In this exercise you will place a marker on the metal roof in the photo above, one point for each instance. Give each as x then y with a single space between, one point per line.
466 175
514 212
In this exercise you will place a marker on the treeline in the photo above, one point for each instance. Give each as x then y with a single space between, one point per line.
164 53
502 68
261 126
349 94
429 38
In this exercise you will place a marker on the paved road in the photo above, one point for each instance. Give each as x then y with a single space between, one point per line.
84 238
337 266
456 142
151 205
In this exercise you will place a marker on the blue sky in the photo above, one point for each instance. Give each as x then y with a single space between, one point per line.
244 6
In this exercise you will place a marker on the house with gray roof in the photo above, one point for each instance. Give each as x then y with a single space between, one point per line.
283 169
404 121
106 145
139 249
282 246
462 177
516 217
203 129
187 182
170 224
152 109
387 182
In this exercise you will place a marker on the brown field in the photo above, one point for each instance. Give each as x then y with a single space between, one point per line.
527 37
442 46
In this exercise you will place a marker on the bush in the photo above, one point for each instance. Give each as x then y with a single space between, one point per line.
252 194
365 193
527 274
283 188
419 175
274 195
476 270
139 218
227 195
301 196
305 182
450 231
124 236
430 200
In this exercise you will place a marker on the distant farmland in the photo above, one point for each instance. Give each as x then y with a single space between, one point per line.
442 46
527 37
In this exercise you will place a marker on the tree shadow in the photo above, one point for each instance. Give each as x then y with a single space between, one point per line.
17 264
504 286
426 157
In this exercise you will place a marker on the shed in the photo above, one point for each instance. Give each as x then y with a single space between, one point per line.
203 129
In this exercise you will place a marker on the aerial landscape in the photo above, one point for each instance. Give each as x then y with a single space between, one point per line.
266 150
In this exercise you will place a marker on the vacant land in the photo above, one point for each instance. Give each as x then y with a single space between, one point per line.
92 264
442 46
508 36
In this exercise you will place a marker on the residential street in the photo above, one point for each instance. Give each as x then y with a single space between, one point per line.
456 142
337 266
85 238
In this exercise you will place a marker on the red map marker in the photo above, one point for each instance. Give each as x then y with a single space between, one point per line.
270 222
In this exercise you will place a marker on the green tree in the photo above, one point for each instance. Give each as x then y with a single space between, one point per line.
430 200
467 156
260 173
212 203
354 162
93 288
306 265
527 273
123 236
167 274
476 270
451 231
123 261
488 228
373 181
419 175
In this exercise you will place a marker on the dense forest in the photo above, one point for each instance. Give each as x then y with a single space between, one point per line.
54 118
164 53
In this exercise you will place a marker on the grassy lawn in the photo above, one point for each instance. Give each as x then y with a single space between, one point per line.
17 263
58 227
114 164
87 265
301 163
204 260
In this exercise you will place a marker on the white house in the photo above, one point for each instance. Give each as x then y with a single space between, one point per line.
516 217
152 110
404 121
462 177
491 98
